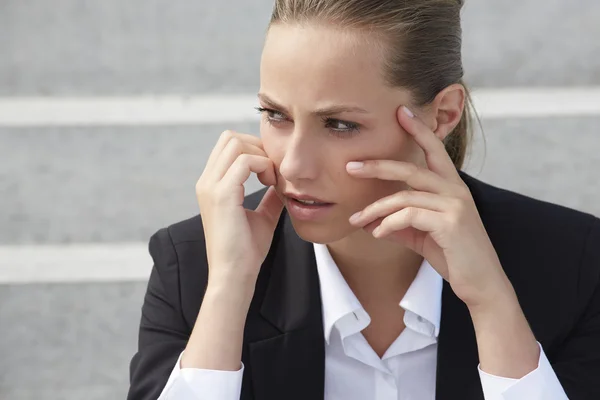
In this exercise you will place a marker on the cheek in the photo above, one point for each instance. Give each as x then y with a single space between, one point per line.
366 191
362 192
398 146
386 142
272 146
358 190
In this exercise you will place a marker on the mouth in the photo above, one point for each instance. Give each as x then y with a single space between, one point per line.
309 203
307 208
306 200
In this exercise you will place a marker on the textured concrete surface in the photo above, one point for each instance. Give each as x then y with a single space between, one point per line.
63 341
158 46
66 185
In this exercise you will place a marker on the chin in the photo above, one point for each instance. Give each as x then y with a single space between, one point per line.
321 233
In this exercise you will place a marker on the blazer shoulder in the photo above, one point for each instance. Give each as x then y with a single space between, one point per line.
191 230
550 252
552 231
538 233
518 208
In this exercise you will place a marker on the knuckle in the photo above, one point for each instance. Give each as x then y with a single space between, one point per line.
391 203
404 196
243 159
383 225
414 169
228 134
411 213
453 221
235 143
372 166
369 210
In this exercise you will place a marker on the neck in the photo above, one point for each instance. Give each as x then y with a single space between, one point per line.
377 270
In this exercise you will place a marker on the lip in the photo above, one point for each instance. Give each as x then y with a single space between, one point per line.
307 212
305 197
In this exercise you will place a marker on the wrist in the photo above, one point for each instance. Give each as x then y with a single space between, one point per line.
217 337
229 293
513 355
238 275
488 295
499 302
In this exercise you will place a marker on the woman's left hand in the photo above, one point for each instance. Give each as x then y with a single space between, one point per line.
437 218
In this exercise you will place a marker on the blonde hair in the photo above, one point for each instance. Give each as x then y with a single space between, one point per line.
421 39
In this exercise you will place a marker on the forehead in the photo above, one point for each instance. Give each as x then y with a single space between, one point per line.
317 61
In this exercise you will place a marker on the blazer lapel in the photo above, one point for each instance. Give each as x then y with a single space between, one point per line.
291 364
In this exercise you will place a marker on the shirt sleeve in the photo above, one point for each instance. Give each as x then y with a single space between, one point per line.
540 384
202 384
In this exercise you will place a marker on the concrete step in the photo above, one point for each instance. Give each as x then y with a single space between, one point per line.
105 184
67 47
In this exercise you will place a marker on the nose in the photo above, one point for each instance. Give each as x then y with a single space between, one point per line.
301 158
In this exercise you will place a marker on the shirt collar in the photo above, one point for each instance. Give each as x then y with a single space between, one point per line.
423 299
337 298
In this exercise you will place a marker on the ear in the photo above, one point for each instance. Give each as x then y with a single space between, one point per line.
447 108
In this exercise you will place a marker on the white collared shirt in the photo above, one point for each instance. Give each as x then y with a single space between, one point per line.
353 371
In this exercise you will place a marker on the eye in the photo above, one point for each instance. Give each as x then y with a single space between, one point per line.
336 127
340 128
272 116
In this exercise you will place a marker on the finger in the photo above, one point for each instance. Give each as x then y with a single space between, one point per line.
270 206
418 218
234 148
244 165
417 178
396 202
436 155
410 237
370 227
224 138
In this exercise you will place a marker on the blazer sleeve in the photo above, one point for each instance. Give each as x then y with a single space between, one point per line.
577 361
163 332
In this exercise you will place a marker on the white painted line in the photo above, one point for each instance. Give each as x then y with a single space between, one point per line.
127 111
537 102
206 109
74 263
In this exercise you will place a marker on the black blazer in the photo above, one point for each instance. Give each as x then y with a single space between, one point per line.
550 253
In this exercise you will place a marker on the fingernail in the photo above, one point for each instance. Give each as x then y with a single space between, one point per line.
354 165
408 112
355 217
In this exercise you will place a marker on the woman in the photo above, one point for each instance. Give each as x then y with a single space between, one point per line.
372 267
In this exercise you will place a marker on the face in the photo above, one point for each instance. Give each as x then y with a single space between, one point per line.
325 104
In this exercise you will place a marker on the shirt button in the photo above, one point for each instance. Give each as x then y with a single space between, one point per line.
420 319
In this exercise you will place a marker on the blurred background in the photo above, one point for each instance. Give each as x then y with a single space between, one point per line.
108 110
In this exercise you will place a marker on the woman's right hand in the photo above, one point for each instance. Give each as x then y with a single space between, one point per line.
237 239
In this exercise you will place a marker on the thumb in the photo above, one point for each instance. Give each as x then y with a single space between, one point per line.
270 206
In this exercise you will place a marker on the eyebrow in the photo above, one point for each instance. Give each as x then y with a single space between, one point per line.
325 111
